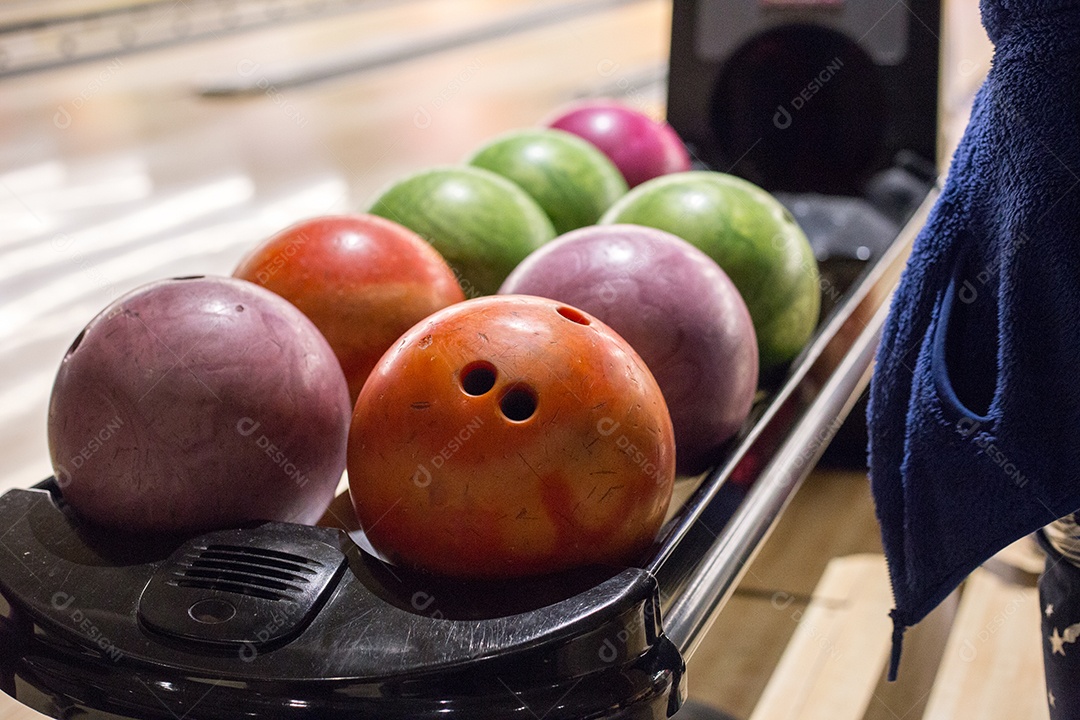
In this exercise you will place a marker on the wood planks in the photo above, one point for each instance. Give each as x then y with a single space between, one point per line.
834 660
991 669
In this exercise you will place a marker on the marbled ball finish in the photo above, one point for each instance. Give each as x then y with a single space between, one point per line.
195 404
676 307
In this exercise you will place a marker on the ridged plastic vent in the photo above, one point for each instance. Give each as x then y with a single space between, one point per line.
258 572
246 587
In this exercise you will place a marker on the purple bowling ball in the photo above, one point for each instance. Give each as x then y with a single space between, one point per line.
199 403
675 307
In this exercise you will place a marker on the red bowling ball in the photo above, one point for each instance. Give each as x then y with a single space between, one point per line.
675 307
363 280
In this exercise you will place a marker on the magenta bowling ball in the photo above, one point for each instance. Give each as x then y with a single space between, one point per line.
195 404
639 146
676 308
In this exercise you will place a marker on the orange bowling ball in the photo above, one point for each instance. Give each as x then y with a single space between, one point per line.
510 436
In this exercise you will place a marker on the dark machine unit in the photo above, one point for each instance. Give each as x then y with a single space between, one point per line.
806 95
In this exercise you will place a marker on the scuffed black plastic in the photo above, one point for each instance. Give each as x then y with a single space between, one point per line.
376 642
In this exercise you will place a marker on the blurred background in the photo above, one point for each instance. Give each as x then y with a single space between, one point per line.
157 138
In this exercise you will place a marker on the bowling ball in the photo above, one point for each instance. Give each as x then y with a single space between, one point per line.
752 237
510 436
363 280
640 147
198 403
675 307
570 179
482 223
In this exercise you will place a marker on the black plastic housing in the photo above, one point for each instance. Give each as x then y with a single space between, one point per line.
91 627
805 95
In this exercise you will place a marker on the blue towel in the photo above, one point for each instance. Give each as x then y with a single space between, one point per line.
975 402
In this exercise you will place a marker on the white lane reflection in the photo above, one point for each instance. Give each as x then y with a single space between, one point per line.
84 288
20 214
91 287
325 197
33 178
34 200
16 400
107 191
66 252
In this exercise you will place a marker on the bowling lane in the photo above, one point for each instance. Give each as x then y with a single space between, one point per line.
119 172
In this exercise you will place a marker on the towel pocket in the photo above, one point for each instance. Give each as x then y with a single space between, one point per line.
964 358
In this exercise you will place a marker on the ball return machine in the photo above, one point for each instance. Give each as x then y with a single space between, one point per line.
827 103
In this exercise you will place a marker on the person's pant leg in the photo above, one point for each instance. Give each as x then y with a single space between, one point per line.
1059 603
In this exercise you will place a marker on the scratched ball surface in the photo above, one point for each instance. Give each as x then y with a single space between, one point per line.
510 436
675 307
198 403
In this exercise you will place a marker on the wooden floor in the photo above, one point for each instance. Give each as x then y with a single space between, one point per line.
730 670
144 166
